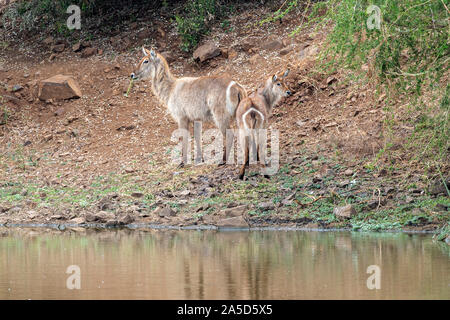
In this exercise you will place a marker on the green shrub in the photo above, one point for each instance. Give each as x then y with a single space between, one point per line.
410 48
195 20
39 14
406 56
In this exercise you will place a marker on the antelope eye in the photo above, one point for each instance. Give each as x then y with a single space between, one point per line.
145 61
278 84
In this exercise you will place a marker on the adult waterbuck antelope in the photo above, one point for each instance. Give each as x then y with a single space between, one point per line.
189 99
253 114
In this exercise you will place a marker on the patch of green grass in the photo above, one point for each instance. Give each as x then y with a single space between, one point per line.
443 233
195 21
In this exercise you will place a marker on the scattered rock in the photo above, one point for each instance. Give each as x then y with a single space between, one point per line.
137 194
185 193
88 52
59 87
129 170
203 207
234 212
232 54
48 137
161 32
246 45
14 210
78 220
58 48
48 41
348 172
86 43
100 217
409 199
288 200
285 51
144 34
273 44
169 56
90 217
76 47
206 52
16 87
346 211
32 214
129 127
164 211
331 79
442 207
389 190
438 187
127 219
266 206
234 222
255 59
111 223
372 204
224 53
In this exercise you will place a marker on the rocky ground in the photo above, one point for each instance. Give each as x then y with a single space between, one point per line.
104 158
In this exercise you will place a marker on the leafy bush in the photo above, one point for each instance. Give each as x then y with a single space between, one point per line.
409 48
51 15
195 20
406 54
38 14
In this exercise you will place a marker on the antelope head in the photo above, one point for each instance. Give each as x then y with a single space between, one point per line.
149 65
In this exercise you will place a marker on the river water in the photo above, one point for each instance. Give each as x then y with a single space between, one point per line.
192 264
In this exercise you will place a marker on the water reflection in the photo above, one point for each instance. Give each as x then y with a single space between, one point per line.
169 264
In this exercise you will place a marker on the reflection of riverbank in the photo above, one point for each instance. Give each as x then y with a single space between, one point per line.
171 264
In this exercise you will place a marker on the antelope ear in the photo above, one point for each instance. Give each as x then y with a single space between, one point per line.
145 51
286 73
274 78
153 54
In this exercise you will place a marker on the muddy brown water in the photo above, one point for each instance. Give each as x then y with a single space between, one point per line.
192 264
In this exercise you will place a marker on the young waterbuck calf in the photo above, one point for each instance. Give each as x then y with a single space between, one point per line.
188 99
252 115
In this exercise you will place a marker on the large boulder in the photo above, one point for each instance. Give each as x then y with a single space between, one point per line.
88 52
59 87
234 222
272 44
234 212
165 211
206 51
347 211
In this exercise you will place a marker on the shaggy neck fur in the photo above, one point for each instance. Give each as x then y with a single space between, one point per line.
163 81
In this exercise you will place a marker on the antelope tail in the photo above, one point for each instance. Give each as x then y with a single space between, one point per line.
241 94
253 113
